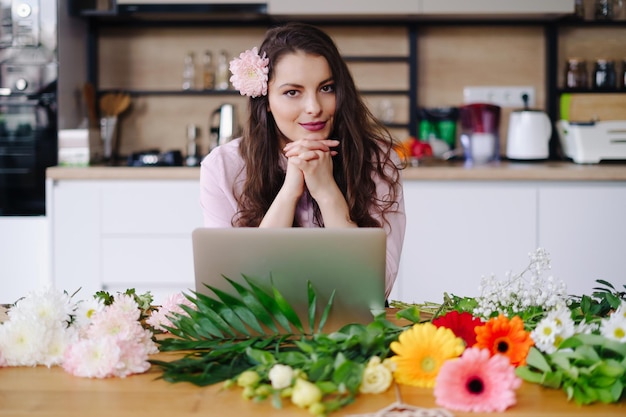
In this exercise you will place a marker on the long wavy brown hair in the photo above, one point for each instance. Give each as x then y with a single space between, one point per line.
366 146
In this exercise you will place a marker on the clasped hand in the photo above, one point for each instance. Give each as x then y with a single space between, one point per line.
310 162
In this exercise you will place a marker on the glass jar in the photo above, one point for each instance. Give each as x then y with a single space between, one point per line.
576 73
604 75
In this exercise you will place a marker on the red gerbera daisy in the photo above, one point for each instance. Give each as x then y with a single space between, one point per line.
462 324
504 336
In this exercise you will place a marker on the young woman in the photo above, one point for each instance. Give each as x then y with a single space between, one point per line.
311 154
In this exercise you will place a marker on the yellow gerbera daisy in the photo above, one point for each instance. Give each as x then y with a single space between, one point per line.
420 352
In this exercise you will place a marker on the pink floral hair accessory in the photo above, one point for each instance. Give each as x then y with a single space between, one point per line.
250 73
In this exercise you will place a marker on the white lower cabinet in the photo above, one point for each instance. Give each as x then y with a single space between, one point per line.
23 256
116 235
583 226
459 231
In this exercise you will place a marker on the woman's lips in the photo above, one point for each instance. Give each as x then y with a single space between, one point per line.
314 126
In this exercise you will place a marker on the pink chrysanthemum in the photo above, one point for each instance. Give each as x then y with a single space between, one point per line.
250 73
477 382
160 319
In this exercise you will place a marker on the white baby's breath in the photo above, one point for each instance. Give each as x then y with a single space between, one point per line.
517 293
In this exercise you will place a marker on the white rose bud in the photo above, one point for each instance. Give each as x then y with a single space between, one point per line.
377 377
305 393
281 376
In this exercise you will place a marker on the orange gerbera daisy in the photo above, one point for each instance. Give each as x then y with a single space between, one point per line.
420 352
504 336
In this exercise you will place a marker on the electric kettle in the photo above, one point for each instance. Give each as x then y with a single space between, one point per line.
223 125
529 135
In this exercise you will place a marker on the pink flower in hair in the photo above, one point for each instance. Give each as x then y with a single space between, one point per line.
250 73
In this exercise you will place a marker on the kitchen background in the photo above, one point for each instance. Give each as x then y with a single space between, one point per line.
451 56
94 229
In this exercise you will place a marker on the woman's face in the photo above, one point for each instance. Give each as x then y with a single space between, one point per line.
301 97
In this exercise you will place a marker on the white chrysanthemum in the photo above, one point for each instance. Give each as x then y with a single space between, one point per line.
563 319
85 311
58 340
614 328
586 328
46 305
22 342
545 334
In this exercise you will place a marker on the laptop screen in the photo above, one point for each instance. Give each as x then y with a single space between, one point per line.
350 262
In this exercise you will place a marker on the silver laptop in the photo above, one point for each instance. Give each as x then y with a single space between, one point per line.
349 261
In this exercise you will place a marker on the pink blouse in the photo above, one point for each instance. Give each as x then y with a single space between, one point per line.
222 174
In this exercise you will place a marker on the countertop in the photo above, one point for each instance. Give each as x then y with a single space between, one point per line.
435 171
46 392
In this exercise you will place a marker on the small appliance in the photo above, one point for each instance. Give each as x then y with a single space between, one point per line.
592 142
480 137
223 125
529 135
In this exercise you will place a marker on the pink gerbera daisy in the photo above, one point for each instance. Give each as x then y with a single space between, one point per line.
477 382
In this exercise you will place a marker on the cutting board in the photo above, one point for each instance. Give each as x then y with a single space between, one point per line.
596 106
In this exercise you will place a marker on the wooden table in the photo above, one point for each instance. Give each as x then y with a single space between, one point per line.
47 392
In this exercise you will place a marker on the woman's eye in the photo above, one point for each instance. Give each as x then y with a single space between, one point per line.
291 93
328 88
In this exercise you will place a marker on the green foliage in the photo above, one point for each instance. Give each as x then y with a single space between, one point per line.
599 304
225 335
590 368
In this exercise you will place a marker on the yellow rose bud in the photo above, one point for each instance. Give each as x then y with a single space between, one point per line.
247 393
317 409
248 379
376 377
305 394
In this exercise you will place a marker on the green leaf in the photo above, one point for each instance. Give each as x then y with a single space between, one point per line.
256 307
605 283
269 303
287 310
536 360
312 299
326 312
552 379
349 373
411 314
260 356
526 374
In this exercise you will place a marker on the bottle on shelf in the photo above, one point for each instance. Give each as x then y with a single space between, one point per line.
576 73
222 74
604 75
579 9
189 72
208 71
192 158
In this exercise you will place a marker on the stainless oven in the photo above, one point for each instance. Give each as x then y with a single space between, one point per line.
28 103
28 145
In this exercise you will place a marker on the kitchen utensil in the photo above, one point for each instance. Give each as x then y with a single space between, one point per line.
480 125
111 106
528 135
89 95
114 104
